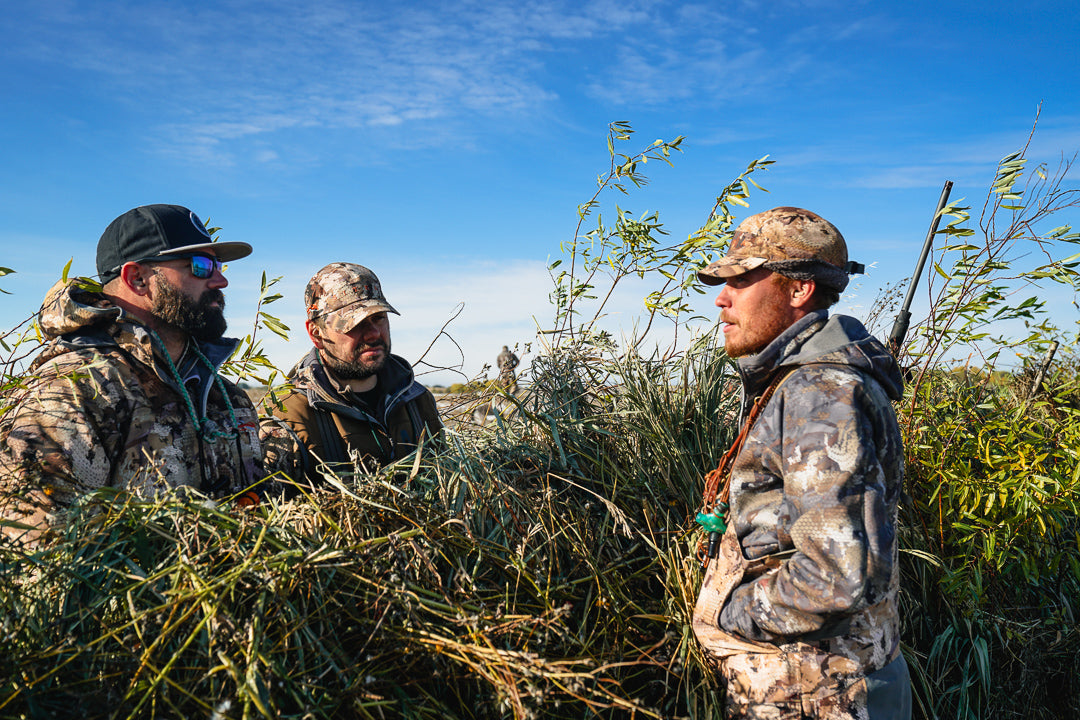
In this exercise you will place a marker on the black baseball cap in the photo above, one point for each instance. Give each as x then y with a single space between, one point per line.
152 230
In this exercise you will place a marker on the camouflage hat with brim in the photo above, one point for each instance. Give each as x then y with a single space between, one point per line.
789 241
343 295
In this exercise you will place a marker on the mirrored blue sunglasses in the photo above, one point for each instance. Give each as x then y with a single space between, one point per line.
202 266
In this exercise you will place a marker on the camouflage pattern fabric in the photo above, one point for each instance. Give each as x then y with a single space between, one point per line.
507 361
792 241
95 410
814 496
343 295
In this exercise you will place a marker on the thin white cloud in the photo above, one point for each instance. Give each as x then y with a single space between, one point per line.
259 68
697 72
969 159
420 72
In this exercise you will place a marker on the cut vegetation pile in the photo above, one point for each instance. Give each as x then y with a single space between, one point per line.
538 569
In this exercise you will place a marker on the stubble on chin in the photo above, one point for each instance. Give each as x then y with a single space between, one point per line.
355 369
736 348
752 338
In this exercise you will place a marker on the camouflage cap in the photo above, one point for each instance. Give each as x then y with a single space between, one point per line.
787 240
345 294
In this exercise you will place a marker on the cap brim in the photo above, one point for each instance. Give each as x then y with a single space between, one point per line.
719 271
345 319
224 251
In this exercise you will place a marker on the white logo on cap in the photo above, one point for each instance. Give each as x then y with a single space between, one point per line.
199 224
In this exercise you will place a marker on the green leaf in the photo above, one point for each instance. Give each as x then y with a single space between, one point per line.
274 325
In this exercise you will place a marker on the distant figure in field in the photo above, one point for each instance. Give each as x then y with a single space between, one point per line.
353 403
507 361
127 393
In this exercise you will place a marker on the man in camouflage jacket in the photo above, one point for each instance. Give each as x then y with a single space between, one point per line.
799 607
352 405
507 361
126 393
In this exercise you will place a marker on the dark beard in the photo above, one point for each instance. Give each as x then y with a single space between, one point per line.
198 318
345 370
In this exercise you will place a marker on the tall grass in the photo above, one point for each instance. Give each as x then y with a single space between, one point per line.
991 537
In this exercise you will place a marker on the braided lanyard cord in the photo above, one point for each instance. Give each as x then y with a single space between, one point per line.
200 428
221 389
249 498
714 501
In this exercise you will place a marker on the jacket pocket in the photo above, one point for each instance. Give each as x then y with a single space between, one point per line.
799 682
725 573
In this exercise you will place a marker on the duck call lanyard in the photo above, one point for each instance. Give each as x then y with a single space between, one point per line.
205 428
714 501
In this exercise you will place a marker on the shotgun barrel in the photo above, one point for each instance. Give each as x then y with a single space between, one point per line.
903 319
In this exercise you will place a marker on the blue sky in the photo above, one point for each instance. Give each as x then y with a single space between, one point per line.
446 146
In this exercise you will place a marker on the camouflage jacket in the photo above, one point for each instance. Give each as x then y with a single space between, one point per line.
99 407
814 495
321 421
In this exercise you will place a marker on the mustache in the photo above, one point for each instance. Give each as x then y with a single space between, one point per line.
725 318
211 296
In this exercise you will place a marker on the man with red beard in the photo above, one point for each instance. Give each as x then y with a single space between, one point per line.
353 405
798 607
127 393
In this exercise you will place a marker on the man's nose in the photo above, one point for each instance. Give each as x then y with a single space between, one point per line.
218 280
368 331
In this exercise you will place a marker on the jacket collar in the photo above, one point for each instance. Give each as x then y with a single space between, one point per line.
757 370
396 379
821 338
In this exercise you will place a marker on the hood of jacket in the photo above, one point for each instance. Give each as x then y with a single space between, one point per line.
819 338
74 317
396 378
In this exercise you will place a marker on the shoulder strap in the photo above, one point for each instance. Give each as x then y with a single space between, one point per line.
333 445
718 481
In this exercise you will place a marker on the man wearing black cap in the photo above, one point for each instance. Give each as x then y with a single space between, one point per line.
353 403
127 392
798 606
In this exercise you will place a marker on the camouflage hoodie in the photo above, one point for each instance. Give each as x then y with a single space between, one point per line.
814 491
99 407
294 437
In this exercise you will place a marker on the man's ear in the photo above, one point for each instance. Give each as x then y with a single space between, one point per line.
802 292
314 333
136 278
